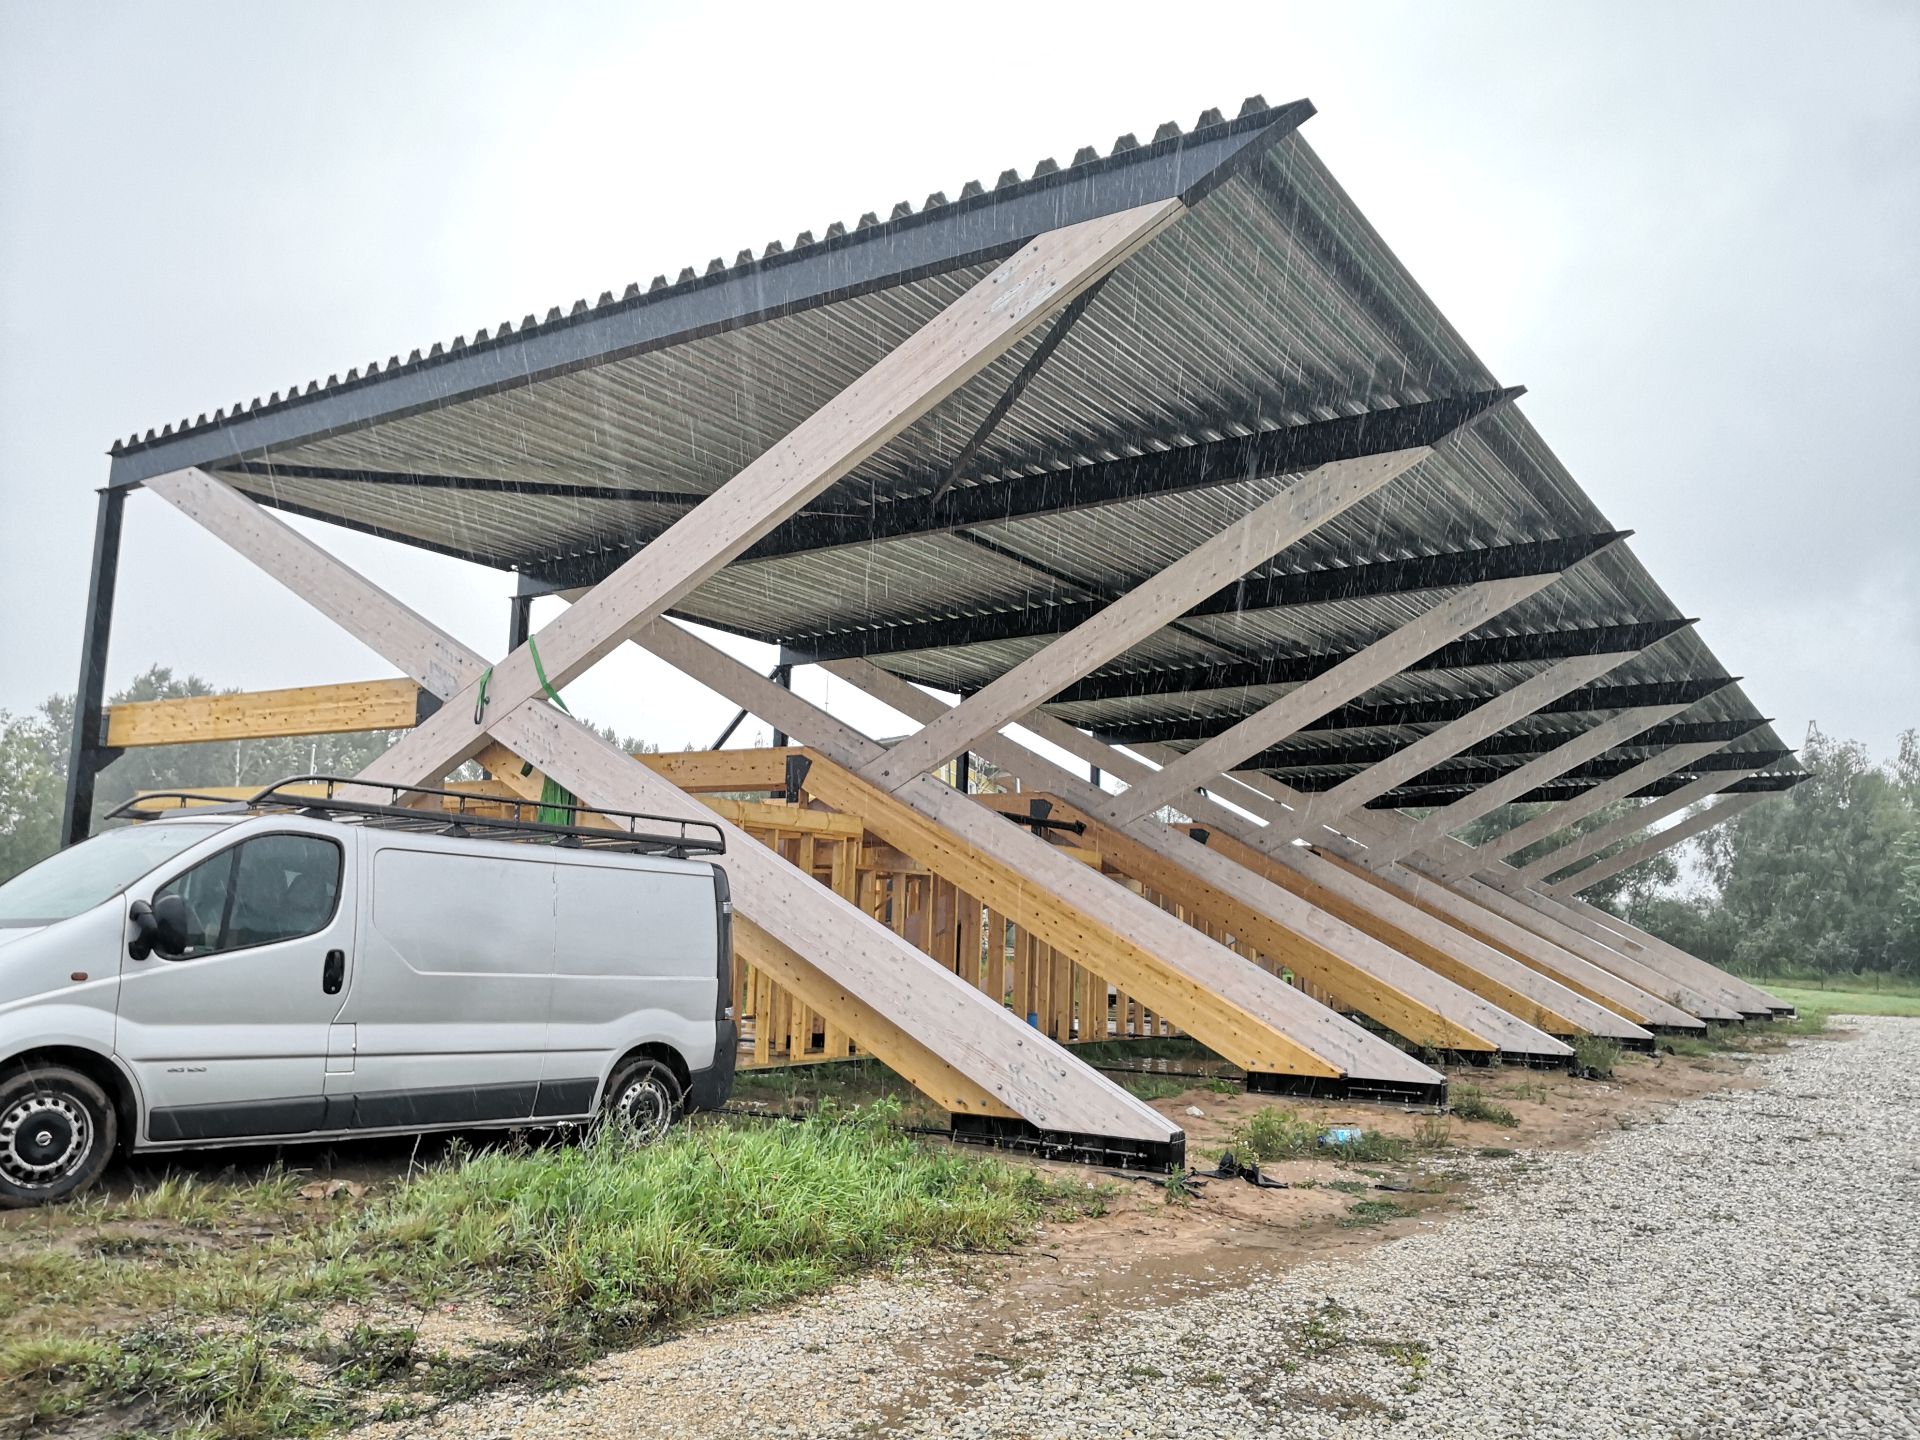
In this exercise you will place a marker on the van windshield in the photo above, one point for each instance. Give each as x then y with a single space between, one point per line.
77 879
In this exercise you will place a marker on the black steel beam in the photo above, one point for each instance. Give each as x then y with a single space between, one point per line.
1084 487
477 484
1261 592
87 754
979 228
1451 775
1164 472
519 621
1293 669
1518 748
1424 712
1410 799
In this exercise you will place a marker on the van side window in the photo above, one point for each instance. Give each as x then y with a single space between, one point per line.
273 887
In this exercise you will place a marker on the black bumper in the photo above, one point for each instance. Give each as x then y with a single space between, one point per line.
708 1089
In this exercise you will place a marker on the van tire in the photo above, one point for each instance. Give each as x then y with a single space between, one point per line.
642 1099
58 1130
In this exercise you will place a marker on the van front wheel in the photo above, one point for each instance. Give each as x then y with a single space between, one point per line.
57 1132
643 1100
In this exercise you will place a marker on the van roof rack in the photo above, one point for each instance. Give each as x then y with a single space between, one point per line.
454 812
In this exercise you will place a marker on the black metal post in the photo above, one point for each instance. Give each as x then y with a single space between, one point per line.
1093 776
88 755
963 772
519 622
783 677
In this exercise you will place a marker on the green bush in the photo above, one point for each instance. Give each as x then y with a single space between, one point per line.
1470 1102
1595 1056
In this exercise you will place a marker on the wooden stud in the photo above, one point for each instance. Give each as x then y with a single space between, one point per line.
351 708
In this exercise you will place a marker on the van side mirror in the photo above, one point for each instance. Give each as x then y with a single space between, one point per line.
161 926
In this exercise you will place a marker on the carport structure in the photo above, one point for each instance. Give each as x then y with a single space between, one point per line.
1159 454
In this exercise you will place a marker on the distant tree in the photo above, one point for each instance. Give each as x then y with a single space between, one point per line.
33 779
1649 877
1824 878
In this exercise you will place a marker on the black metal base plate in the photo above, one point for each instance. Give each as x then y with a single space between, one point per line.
1346 1087
1105 1150
1526 1060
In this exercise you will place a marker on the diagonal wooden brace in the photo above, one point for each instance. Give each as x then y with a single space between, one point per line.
970 1054
924 369
1278 1030
1269 528
1447 620
1368 971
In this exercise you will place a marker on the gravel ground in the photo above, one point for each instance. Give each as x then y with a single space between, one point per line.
1746 1265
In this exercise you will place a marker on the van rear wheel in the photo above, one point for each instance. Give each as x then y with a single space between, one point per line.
58 1129
643 1100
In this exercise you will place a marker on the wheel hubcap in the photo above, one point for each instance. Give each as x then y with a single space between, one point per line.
43 1139
644 1109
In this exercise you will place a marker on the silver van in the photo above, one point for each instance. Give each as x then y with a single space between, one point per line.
304 965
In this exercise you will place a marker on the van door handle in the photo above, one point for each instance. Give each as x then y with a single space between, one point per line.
334 973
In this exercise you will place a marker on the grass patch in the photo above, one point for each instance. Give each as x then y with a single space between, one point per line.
1595 1056
1470 1102
1272 1133
844 1084
1151 1087
1834 1000
586 1246
1373 1212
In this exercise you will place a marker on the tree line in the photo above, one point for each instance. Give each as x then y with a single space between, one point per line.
1824 879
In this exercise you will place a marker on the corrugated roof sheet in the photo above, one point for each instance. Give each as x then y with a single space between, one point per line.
1271 305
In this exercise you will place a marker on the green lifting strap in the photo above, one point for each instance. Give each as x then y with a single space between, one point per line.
556 803
541 671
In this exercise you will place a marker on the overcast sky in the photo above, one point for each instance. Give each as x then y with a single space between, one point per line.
1689 229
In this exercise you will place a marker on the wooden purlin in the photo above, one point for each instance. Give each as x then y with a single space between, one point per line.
355 707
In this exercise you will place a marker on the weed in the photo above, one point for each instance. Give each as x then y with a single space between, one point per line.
1271 1133
1470 1102
1496 1152
1432 1133
1153 1087
1531 1090
1595 1056
1373 1212
1220 1085
1177 1191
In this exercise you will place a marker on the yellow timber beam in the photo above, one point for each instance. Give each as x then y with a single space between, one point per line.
870 1030
1352 986
266 714
1572 981
1485 986
1223 1027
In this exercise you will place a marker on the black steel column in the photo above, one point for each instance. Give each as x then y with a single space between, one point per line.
519 622
783 677
963 772
88 755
